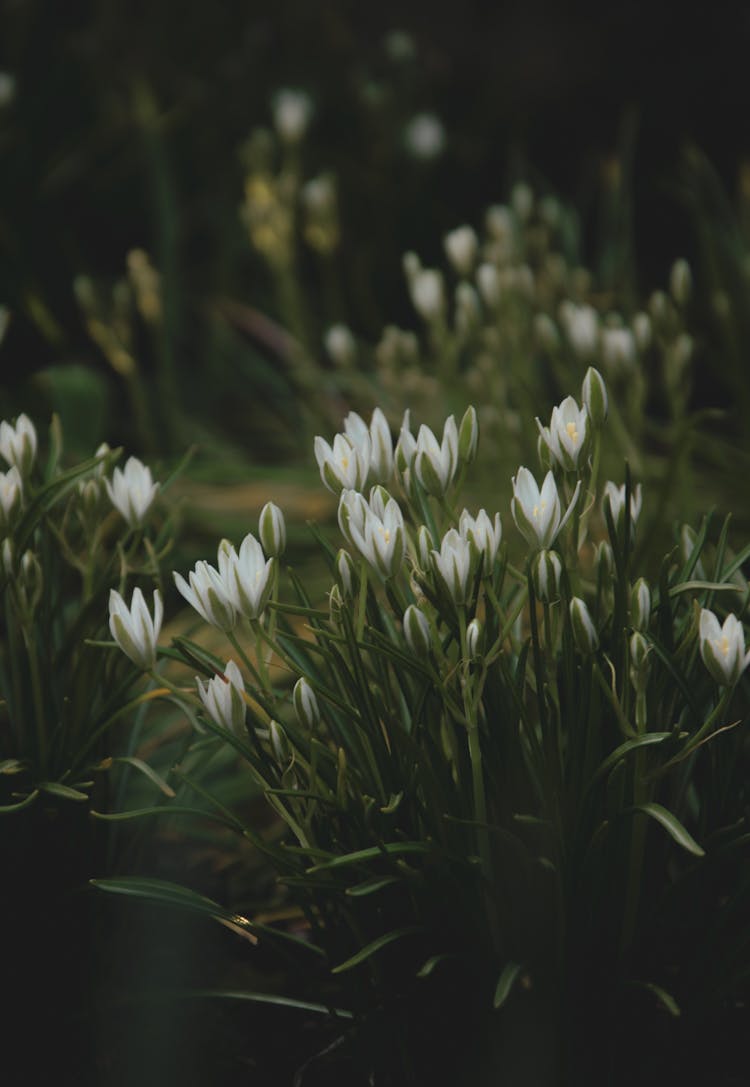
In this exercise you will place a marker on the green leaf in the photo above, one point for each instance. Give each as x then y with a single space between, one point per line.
506 981
392 848
646 740
672 825
148 771
370 886
426 969
25 803
264 998
370 949
665 999
55 788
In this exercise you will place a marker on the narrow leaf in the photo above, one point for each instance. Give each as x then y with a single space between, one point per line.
55 788
505 983
370 949
672 825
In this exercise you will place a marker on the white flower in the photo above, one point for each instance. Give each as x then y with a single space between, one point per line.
537 512
484 534
374 442
133 629
246 576
11 489
132 491
292 111
426 288
435 463
207 593
452 564
723 647
345 465
18 444
340 345
425 136
581 325
461 247
488 282
222 698
305 703
272 529
376 530
566 437
618 349
614 497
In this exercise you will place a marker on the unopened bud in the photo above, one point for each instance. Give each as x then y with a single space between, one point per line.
272 529
473 638
461 248
425 546
427 294
680 282
335 604
546 573
468 436
688 537
640 605
584 631
594 396
7 553
341 345
640 666
279 743
417 631
488 282
305 704
346 572
604 558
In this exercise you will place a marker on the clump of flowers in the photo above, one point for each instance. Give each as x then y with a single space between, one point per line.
483 745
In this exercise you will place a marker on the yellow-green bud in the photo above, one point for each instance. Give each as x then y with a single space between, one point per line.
272 530
468 436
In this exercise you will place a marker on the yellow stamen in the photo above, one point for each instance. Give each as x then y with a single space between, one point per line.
723 645
572 432
539 510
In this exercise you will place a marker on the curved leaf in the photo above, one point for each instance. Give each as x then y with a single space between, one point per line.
672 825
370 949
508 978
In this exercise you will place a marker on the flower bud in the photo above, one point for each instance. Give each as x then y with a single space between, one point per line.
305 704
18 444
641 324
427 294
680 282
488 282
594 396
468 436
7 556
604 558
584 631
473 638
640 605
688 536
292 111
335 604
461 249
346 572
546 572
272 529
31 578
11 490
341 346
279 744
425 546
640 666
417 631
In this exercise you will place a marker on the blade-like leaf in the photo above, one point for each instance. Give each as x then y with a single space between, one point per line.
370 949
672 825
508 977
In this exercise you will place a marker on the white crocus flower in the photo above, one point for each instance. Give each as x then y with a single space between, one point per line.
376 530
614 497
483 533
11 489
435 463
222 698
18 444
452 564
246 576
723 647
567 435
207 593
133 629
346 464
132 491
537 513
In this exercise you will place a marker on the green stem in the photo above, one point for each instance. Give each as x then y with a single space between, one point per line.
232 639
362 602
36 692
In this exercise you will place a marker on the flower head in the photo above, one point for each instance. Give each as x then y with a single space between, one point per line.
537 512
132 491
436 462
484 534
18 444
222 698
346 464
376 529
452 565
206 591
614 498
133 629
11 489
723 647
566 437
246 576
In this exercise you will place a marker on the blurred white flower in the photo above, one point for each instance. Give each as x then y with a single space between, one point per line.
292 111
461 247
537 513
488 282
132 491
222 699
614 498
133 628
427 293
424 136
723 647
581 324
340 345
11 489
18 444
618 349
